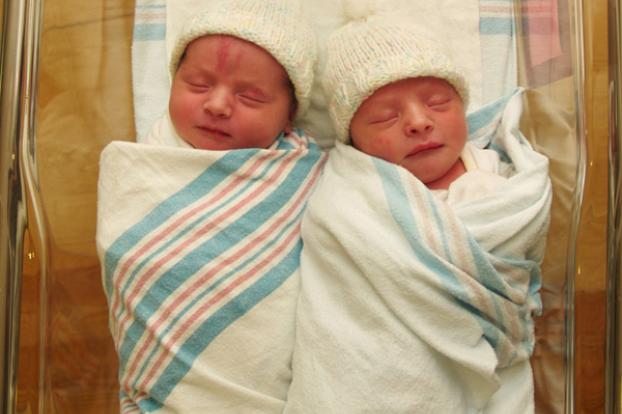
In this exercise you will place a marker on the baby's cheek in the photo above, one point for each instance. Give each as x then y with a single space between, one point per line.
383 146
382 140
178 105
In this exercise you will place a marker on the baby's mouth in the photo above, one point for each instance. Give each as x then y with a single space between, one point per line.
214 132
426 146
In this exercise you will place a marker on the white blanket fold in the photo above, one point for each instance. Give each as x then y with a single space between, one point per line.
200 254
408 305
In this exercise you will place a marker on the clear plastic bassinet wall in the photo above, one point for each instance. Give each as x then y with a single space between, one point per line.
66 362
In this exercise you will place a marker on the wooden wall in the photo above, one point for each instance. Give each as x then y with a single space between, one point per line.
84 101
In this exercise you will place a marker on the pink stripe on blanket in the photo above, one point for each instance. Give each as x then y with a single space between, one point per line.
199 314
149 271
543 35
542 27
157 237
128 406
291 211
135 397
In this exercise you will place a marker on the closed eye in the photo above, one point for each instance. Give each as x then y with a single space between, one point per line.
252 98
383 118
438 101
198 86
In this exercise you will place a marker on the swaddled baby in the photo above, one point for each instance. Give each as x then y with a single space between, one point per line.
199 231
420 265
409 108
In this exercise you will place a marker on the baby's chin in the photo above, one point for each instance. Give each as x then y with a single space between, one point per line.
425 175
212 144
228 143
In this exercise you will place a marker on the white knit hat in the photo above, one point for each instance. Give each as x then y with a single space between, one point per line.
371 51
278 26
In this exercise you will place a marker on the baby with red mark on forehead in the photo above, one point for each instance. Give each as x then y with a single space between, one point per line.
217 195
229 93
237 81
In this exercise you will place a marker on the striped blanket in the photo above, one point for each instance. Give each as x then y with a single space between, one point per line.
200 257
150 77
498 37
408 305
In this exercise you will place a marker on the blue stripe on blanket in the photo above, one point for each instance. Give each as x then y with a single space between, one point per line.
217 323
194 188
212 248
485 115
231 273
497 26
192 225
283 144
149 32
488 276
204 183
399 206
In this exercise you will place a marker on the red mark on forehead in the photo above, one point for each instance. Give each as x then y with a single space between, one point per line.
224 54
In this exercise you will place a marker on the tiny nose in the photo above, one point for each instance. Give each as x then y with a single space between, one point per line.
217 104
417 120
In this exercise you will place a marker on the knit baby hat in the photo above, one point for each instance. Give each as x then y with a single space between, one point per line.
373 49
278 26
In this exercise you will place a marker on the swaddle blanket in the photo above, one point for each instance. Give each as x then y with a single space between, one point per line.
200 254
409 306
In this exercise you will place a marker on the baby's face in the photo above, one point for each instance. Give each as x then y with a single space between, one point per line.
229 94
418 123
